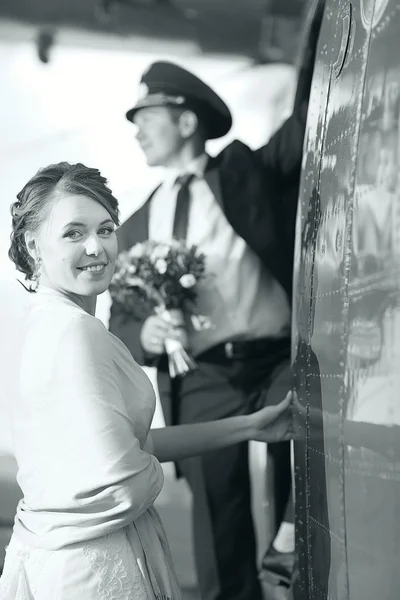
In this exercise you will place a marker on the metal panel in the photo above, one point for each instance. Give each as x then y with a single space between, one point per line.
346 347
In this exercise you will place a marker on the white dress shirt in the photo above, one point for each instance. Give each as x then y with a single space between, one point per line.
242 299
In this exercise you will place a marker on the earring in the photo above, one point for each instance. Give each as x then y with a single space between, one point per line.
36 274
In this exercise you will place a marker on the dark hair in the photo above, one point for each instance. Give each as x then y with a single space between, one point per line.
33 204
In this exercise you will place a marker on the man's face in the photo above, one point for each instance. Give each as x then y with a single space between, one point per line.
158 134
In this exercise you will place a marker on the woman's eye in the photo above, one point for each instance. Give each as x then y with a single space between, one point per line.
106 230
72 235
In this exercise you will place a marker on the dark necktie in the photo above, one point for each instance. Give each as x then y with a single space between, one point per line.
181 218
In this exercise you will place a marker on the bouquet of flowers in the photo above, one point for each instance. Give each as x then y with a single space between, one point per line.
158 278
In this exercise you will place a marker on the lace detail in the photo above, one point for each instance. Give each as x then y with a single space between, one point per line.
20 560
6 580
106 557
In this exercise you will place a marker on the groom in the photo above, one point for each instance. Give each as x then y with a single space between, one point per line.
239 208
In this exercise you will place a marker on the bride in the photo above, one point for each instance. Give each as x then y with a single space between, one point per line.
88 467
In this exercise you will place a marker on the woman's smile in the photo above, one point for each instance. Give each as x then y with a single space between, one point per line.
97 268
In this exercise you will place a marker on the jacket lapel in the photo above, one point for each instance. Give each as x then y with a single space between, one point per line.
244 196
212 177
143 219
135 229
146 218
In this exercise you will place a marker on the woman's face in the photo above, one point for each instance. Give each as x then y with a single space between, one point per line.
77 247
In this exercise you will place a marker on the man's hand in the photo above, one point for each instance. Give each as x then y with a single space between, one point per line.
154 332
273 423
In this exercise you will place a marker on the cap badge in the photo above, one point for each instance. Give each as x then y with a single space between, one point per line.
143 91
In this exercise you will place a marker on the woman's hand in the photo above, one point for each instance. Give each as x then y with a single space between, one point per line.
310 422
272 423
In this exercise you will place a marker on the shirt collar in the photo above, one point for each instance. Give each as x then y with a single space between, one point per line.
197 166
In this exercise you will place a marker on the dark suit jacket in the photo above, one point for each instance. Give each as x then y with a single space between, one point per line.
257 190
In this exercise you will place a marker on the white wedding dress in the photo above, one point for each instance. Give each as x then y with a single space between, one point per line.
86 528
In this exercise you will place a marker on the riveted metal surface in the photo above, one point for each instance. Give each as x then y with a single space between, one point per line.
346 327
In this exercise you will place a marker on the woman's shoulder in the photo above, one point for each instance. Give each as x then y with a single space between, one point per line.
87 335
61 325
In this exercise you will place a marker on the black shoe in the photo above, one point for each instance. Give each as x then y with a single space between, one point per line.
277 567
276 592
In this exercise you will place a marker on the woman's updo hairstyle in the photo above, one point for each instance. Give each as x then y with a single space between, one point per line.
34 202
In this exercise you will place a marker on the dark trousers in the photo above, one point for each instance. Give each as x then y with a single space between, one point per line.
223 531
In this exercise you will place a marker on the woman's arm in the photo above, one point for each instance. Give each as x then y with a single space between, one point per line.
87 433
270 424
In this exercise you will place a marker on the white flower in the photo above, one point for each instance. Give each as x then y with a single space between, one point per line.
187 281
133 281
161 266
132 269
136 251
160 251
